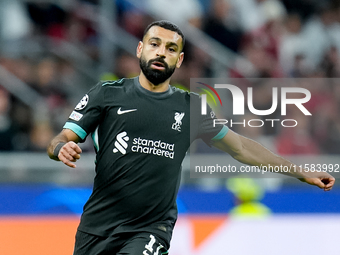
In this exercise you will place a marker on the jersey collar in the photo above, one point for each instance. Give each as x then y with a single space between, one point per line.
150 93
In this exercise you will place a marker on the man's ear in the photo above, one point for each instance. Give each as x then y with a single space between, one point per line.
180 60
139 49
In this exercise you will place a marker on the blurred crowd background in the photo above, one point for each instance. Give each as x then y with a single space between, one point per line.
52 52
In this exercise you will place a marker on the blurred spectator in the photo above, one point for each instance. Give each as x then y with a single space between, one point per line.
186 11
304 9
265 64
292 48
48 18
40 136
127 66
253 14
22 119
80 27
46 81
300 67
262 45
297 140
331 144
132 19
331 63
215 26
326 128
14 21
318 36
7 131
48 84
68 78
22 68
306 43
268 35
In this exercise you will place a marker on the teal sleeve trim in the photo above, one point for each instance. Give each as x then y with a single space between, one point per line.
221 134
76 129
95 139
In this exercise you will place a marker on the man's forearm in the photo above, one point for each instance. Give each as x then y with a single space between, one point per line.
250 152
253 153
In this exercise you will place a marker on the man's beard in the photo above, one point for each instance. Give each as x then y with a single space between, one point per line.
155 76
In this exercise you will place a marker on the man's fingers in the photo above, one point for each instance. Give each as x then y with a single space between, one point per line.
63 153
319 183
72 148
70 164
66 161
324 183
69 153
329 182
75 147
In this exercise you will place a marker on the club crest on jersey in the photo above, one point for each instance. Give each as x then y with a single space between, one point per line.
178 124
83 102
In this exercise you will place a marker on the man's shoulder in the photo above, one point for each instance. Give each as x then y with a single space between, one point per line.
110 88
117 83
105 91
185 93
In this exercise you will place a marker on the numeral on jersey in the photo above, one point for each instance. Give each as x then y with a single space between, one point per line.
150 244
149 247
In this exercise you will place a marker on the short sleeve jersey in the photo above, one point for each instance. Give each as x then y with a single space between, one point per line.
141 139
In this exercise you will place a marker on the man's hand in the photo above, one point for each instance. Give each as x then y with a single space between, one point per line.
323 180
69 153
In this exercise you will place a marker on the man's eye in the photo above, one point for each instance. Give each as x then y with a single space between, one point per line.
154 44
172 49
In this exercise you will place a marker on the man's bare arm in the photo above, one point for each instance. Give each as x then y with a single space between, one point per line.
249 152
64 147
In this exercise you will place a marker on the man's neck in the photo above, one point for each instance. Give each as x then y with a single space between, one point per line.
145 83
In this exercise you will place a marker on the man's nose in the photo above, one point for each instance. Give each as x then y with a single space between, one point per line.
161 51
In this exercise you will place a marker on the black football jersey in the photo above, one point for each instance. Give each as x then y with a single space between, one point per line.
140 138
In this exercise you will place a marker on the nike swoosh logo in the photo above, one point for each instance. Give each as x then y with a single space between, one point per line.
119 112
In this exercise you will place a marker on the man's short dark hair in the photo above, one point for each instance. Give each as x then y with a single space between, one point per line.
166 25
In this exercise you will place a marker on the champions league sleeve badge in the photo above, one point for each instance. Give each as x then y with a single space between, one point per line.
83 102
